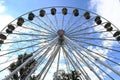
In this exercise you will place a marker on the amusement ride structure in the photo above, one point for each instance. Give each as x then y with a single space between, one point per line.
61 38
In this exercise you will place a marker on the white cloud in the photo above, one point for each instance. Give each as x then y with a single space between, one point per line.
109 9
2 7
4 18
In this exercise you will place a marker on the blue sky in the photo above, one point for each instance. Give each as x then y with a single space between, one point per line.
15 8
11 9
20 7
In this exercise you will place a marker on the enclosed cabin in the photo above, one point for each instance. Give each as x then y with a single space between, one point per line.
42 13
117 35
87 15
20 21
64 11
108 26
10 29
53 11
2 38
76 12
31 16
98 20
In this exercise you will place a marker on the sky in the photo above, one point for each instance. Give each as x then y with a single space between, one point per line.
11 9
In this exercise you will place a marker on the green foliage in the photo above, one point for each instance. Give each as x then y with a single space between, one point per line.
73 75
23 72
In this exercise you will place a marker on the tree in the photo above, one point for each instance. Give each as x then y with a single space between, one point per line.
23 72
61 75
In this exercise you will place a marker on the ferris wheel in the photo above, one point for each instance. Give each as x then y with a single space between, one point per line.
61 38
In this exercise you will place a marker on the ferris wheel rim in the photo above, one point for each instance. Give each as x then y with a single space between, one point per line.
65 35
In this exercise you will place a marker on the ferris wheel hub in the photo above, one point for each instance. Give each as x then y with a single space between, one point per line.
60 34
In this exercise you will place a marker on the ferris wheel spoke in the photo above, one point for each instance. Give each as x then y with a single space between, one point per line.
46 24
70 26
104 47
110 60
81 24
4 68
68 57
87 27
53 25
49 68
66 62
90 67
63 18
89 33
92 38
40 26
22 76
96 58
35 30
76 67
101 69
68 22
76 21
27 40
102 55
86 31
88 58
19 49
33 45
86 63
97 66
56 21
39 61
82 69
35 54
30 34
49 62
58 62
109 67
7 61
